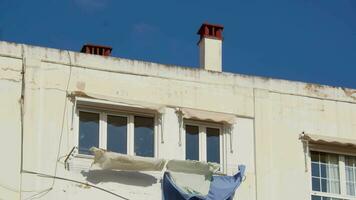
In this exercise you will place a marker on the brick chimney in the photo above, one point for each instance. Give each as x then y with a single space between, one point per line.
96 49
210 46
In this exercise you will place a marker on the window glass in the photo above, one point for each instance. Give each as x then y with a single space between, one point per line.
144 136
88 131
192 142
117 134
324 198
316 198
350 167
213 145
325 172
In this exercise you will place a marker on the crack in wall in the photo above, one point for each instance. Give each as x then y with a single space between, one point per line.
48 88
10 69
9 79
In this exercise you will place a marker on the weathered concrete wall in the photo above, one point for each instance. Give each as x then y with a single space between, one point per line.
280 118
10 127
270 116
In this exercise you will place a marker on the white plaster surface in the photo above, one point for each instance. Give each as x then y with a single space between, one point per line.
270 116
210 50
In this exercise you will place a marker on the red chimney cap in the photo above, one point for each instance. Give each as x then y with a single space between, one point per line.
96 49
211 31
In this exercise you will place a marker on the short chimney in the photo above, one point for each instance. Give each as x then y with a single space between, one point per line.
210 46
96 49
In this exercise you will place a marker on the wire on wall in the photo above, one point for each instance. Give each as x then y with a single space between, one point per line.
71 180
42 193
63 118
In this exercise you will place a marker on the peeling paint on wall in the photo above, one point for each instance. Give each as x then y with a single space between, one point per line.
316 89
350 93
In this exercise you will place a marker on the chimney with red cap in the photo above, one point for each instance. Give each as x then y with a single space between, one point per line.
96 49
210 45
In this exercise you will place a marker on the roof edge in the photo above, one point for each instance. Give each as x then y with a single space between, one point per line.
183 73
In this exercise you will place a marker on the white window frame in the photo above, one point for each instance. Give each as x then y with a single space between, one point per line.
202 125
103 113
342 174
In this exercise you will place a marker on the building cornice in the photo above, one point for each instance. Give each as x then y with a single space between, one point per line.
179 73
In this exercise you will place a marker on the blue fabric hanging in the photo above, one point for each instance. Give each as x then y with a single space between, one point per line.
221 188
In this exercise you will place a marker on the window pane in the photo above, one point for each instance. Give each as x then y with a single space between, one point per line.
316 184
192 142
117 134
316 198
314 156
213 145
323 157
333 159
323 198
323 185
325 166
315 169
88 131
333 187
349 174
144 136
350 188
323 170
333 172
350 169
350 161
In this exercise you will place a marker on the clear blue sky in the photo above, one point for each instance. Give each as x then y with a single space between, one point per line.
304 40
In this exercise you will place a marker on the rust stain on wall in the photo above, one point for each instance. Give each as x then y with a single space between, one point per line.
79 94
315 89
81 85
350 93
84 186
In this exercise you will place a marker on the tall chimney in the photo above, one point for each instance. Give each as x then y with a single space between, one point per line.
96 49
210 46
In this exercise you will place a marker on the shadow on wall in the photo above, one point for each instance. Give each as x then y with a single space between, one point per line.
122 177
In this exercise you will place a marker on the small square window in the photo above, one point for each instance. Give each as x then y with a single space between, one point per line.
203 141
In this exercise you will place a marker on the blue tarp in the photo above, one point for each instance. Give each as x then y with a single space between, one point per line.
221 187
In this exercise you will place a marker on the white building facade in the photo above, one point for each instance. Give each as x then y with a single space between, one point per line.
56 104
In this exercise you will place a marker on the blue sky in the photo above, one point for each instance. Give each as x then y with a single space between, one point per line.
304 40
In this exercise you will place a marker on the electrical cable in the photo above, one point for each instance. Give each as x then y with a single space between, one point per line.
61 133
39 194
54 177
75 181
22 107
63 118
